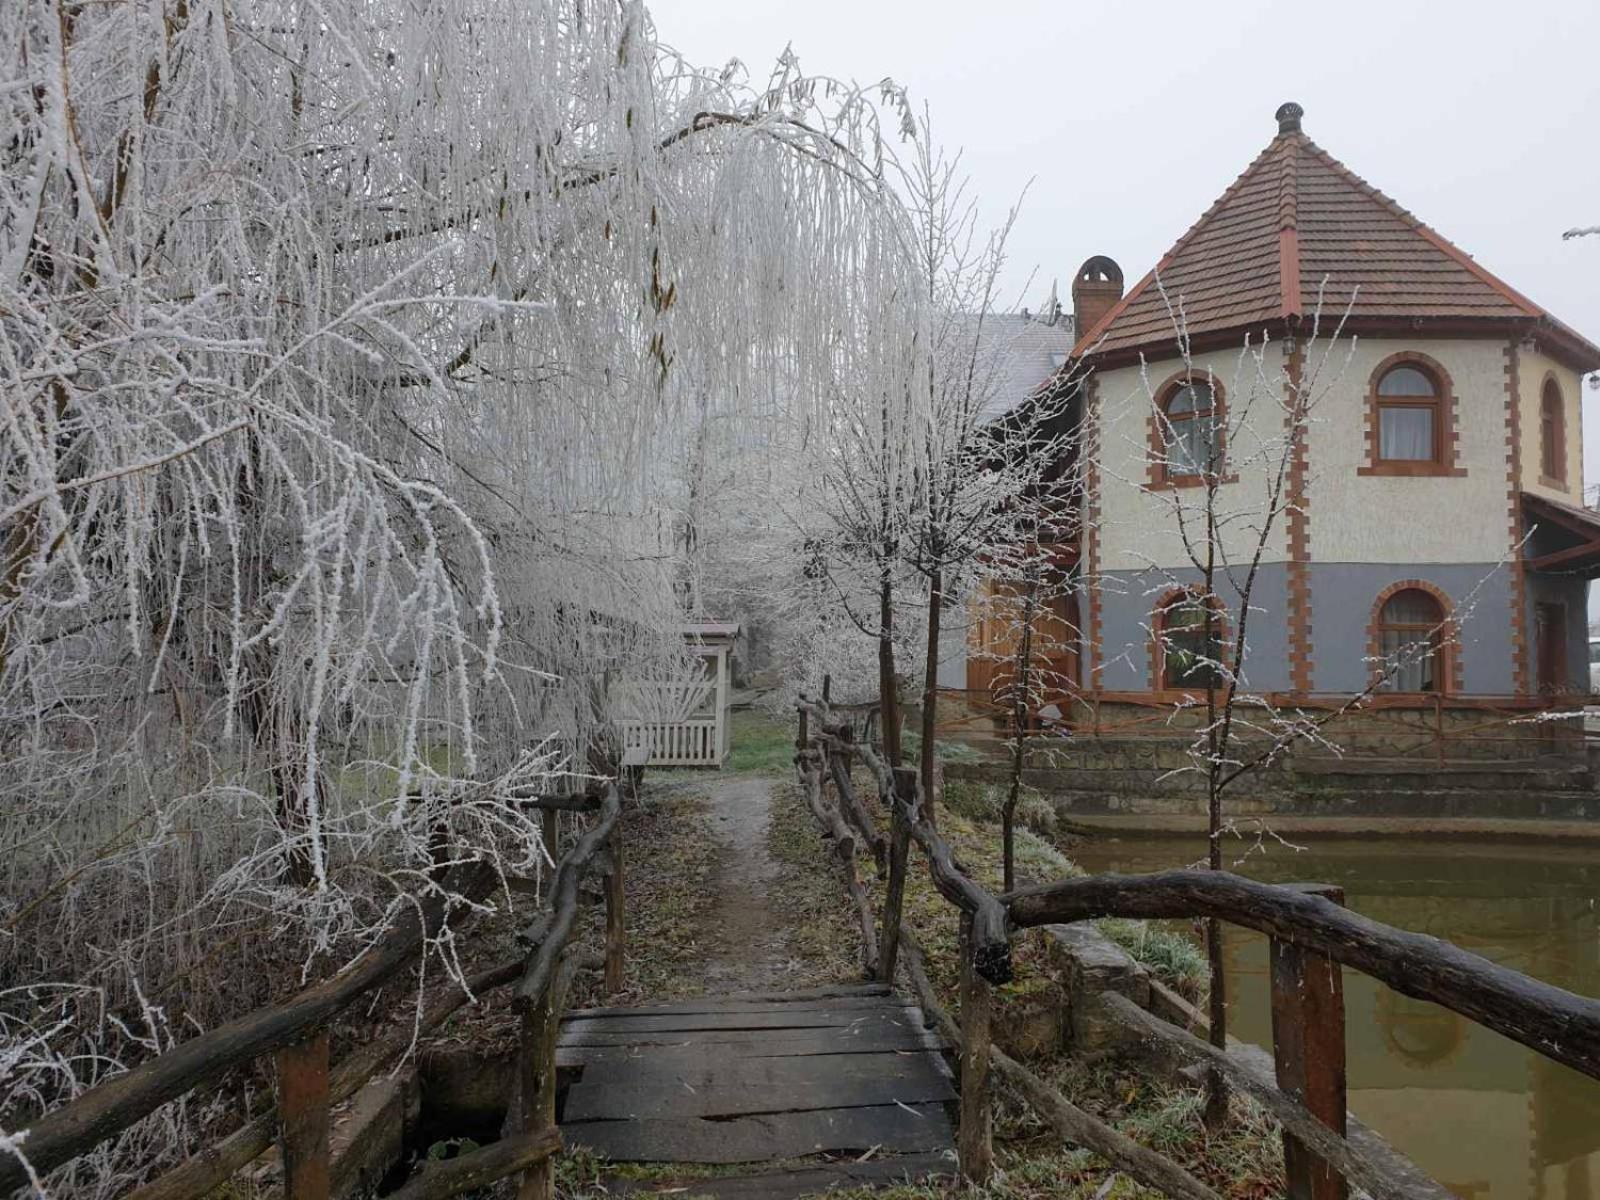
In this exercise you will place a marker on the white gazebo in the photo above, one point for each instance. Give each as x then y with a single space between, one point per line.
685 723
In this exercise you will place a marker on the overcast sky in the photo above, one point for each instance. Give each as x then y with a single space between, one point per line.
1481 118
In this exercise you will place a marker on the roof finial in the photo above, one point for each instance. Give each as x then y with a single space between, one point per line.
1288 116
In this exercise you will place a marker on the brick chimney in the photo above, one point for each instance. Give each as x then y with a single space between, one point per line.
1097 286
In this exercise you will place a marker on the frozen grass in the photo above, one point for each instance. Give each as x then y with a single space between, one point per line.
1175 958
669 883
911 746
760 745
823 932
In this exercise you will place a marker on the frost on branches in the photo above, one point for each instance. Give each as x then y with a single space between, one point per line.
347 351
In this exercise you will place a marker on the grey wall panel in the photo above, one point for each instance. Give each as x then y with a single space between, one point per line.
1342 596
1129 597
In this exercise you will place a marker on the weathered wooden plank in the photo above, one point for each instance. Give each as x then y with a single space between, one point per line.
717 1037
707 1073
891 1128
876 999
799 1018
872 1040
792 1185
737 1094
836 991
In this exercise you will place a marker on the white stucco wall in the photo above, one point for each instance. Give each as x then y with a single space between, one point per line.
1533 368
1138 527
1410 519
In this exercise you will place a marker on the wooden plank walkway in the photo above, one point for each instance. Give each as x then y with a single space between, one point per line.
844 1070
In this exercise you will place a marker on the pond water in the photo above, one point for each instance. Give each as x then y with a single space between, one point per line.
1483 1115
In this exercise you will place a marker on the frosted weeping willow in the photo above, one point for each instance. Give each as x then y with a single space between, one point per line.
346 353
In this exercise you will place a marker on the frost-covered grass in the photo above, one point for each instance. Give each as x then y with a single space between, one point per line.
1175 958
760 744
823 933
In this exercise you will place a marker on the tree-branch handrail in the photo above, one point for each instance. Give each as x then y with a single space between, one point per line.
991 936
1559 1024
65 1133
106 1110
550 934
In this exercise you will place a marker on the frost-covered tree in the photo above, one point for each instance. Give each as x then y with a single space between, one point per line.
344 351
1242 481
979 472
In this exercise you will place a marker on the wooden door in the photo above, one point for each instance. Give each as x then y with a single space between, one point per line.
1550 641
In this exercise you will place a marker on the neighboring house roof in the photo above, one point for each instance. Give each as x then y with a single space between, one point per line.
1028 350
1299 225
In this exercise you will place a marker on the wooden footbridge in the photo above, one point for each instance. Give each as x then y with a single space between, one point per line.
853 1080
846 1072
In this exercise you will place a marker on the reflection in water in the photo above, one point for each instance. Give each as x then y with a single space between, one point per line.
1478 1112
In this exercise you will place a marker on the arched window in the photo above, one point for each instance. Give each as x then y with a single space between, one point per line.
1411 642
1191 430
1410 415
1552 433
1189 660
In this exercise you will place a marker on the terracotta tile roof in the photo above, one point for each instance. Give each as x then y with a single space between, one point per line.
1298 224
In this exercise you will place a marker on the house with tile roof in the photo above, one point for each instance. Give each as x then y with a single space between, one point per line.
1438 485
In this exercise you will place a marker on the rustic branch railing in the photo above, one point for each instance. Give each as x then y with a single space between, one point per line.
808 763
1557 1023
296 1033
1312 935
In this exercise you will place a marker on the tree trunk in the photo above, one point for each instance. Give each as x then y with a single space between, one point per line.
1019 714
888 689
1216 1113
930 696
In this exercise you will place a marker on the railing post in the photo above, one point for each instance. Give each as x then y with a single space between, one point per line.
616 925
905 785
803 742
303 1117
536 1067
975 1152
1308 1051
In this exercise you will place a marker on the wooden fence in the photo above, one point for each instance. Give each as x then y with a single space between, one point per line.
1311 934
689 742
295 1034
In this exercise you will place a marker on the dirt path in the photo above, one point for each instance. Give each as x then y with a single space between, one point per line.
750 948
